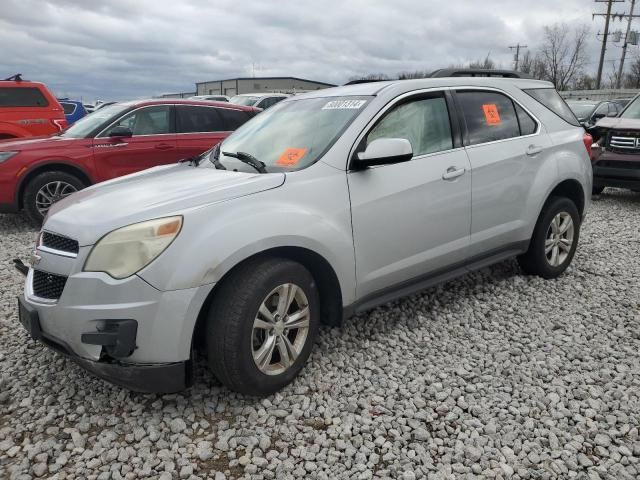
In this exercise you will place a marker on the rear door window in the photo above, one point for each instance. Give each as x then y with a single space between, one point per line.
490 116
22 97
551 99
233 118
69 108
193 119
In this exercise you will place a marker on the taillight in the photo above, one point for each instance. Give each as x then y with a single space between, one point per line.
588 141
61 124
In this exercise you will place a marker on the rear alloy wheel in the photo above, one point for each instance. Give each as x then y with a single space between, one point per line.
262 324
45 190
554 239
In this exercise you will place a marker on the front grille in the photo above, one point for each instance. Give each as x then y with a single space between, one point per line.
58 242
624 142
48 285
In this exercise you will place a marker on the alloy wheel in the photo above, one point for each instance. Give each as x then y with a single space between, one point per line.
280 329
52 192
559 239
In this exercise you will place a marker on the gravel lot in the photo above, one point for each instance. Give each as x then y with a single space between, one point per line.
492 376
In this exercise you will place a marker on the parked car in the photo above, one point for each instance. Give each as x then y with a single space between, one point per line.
28 109
327 204
111 142
616 155
588 113
73 110
258 100
211 98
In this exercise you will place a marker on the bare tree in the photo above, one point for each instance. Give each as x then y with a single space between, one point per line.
632 79
410 75
371 76
533 65
563 53
487 63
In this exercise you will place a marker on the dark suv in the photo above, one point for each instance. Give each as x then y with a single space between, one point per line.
616 154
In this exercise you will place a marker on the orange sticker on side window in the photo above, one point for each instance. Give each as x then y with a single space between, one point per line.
491 113
291 157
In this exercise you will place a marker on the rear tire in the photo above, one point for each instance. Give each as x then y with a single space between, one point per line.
46 189
253 343
597 190
554 239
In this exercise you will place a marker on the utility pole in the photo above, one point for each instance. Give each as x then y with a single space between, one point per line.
517 48
605 37
631 16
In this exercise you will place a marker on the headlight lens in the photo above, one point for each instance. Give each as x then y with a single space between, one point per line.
128 250
4 156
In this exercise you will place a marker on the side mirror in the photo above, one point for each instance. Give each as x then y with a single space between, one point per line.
120 132
385 150
597 116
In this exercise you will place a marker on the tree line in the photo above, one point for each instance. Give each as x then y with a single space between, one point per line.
561 58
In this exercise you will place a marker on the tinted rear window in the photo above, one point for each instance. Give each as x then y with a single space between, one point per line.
554 102
489 116
22 97
68 108
234 118
198 119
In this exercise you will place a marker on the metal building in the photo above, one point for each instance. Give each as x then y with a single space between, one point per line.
236 86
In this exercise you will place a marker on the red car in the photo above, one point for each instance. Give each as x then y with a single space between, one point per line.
28 109
113 141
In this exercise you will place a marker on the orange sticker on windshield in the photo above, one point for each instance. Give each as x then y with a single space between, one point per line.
491 113
291 157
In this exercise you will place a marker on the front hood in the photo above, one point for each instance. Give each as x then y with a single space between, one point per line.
619 123
158 192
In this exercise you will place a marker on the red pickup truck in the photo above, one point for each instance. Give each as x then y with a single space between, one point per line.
116 140
28 109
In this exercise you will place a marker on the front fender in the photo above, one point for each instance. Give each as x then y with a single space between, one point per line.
216 238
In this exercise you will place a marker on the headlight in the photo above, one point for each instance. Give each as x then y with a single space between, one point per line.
4 156
128 250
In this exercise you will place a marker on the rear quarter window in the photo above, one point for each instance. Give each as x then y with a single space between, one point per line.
233 118
69 108
551 99
22 97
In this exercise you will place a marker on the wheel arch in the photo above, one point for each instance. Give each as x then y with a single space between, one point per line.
50 166
321 270
571 189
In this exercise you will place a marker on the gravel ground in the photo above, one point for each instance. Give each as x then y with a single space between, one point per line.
495 375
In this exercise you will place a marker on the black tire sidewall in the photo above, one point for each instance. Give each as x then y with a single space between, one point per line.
34 185
555 206
237 332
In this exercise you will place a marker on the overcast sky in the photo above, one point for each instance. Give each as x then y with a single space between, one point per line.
119 49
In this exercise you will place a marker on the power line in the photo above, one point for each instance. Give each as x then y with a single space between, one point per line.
517 48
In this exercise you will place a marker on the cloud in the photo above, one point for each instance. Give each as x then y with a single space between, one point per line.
119 49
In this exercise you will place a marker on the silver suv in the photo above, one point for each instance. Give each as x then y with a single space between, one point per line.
327 204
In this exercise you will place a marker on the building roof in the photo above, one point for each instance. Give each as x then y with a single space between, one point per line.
267 78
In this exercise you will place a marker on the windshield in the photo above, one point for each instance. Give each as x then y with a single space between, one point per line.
244 100
632 110
581 110
91 122
292 134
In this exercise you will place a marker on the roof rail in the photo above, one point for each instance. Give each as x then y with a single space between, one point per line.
362 80
477 72
15 78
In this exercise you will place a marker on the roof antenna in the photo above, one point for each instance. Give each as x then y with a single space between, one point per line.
16 78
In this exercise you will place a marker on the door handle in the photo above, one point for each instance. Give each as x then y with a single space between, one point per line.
164 146
453 172
533 150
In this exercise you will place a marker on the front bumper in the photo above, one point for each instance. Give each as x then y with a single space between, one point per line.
152 378
81 323
612 169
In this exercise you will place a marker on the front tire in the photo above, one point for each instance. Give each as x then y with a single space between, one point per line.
597 190
46 189
554 239
262 325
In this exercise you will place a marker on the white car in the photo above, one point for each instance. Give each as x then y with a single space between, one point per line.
259 100
210 98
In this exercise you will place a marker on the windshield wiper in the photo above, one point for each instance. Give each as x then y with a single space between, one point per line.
248 159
